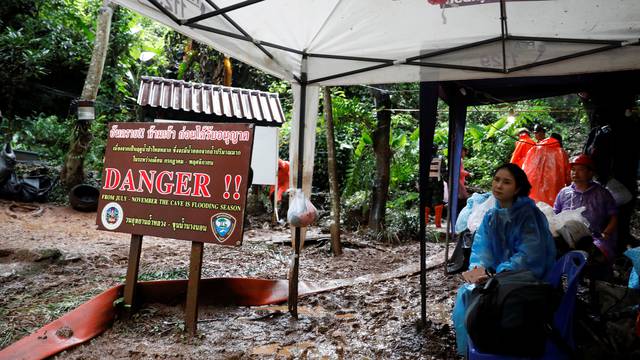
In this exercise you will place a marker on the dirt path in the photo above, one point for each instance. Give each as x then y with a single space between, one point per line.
53 260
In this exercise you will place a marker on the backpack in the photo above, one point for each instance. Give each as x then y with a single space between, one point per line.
510 314
599 147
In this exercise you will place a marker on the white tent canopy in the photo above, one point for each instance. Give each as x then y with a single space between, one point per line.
410 40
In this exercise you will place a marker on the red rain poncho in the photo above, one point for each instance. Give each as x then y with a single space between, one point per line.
523 145
547 168
283 179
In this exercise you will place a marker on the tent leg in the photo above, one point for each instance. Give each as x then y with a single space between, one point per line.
457 122
297 239
428 119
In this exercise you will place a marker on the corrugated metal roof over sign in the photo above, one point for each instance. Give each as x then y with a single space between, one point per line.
256 106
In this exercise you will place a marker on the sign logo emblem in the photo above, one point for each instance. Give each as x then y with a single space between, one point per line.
222 225
112 216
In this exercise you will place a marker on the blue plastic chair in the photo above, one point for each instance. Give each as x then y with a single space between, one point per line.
571 265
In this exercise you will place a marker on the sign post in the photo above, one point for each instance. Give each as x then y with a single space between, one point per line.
132 272
176 180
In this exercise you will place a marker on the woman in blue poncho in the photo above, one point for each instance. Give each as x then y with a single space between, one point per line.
514 235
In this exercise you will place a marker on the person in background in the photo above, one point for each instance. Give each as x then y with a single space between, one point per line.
523 145
564 152
557 137
463 193
600 207
514 235
547 167
539 133
435 188
282 186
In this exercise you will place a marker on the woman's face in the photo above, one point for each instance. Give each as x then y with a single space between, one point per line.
503 186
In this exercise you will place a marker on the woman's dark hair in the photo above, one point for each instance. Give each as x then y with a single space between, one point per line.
522 182
557 137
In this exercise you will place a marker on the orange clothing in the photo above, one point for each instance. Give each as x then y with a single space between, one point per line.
523 145
283 179
547 168
462 191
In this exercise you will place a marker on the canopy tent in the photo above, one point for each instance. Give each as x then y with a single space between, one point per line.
344 42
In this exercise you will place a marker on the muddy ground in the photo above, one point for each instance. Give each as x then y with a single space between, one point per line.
53 259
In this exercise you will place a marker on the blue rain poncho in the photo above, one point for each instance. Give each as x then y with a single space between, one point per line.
508 239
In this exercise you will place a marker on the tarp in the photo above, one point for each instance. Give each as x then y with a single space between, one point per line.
275 35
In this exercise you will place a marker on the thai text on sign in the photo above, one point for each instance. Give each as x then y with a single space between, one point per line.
176 180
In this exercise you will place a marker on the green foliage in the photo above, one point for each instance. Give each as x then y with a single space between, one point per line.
44 49
355 208
402 215
354 155
46 135
490 135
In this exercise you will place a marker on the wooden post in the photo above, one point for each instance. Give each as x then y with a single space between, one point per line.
195 269
132 272
336 246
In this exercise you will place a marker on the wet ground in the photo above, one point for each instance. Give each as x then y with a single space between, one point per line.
53 259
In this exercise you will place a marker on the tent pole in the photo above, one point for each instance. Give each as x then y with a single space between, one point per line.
457 122
217 12
428 118
505 33
295 264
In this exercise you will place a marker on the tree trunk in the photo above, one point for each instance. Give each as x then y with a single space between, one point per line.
73 170
228 71
382 151
336 247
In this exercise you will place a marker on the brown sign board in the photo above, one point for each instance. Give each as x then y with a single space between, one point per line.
176 180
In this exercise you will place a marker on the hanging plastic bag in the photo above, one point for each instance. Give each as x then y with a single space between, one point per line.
620 193
301 211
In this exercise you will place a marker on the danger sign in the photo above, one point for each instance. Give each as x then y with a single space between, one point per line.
176 180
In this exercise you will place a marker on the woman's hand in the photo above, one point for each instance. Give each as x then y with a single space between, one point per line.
476 275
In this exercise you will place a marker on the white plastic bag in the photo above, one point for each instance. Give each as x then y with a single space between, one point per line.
546 209
570 225
301 211
620 193
557 221
572 231
472 202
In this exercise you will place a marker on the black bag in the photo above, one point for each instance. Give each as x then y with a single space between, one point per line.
459 261
510 314
600 147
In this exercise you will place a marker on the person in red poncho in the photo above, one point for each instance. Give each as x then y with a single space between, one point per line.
547 168
283 179
523 145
